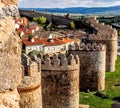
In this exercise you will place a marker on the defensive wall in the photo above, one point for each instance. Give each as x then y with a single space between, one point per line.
60 81
92 65
108 36
30 88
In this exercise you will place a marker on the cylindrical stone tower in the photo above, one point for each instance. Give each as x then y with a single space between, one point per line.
30 88
92 65
60 82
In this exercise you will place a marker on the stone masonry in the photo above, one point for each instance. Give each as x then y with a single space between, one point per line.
60 82
92 65
30 88
8 8
10 64
108 36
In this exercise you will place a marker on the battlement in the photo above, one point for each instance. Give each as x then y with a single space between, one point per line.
31 73
104 32
103 36
31 68
60 62
88 47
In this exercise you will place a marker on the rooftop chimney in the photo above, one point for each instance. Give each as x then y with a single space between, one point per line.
32 40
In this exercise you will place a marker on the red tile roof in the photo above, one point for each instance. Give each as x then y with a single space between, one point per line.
66 40
51 42
27 42
27 31
47 42
22 21
19 30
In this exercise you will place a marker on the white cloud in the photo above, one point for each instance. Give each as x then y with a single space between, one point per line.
67 3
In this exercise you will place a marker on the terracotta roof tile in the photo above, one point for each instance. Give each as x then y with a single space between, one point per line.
27 42
47 42
51 42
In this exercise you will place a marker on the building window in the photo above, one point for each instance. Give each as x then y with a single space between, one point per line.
40 48
29 48
35 48
46 49
53 48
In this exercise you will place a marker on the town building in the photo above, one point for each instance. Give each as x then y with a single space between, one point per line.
21 22
47 46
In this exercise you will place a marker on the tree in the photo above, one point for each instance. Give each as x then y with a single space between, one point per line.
35 19
30 37
72 25
40 20
34 52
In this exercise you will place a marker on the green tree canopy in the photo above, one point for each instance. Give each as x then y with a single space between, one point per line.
32 53
40 20
72 25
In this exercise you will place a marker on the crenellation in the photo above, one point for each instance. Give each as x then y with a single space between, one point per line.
30 87
88 47
103 36
32 69
58 61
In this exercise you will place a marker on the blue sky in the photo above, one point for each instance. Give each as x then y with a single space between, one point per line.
67 3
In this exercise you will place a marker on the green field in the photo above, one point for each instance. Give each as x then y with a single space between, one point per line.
112 91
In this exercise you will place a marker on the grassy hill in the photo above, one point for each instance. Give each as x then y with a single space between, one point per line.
112 91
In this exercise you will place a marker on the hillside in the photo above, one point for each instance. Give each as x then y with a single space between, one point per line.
81 10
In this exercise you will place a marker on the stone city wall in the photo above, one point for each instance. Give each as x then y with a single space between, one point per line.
108 36
92 65
60 82
9 99
10 52
9 2
10 64
30 88
8 8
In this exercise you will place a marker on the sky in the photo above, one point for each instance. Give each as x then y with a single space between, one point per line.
67 3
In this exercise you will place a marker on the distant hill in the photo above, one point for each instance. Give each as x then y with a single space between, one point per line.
81 10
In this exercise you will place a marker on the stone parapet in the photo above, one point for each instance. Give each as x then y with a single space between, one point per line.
104 32
88 47
30 87
60 62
